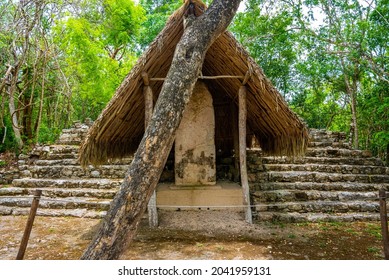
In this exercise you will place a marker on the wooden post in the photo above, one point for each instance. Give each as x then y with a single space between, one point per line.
384 222
242 153
235 137
148 97
30 222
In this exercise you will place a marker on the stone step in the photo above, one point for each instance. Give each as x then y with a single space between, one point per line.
72 171
328 143
73 136
343 169
335 152
74 140
324 186
6 176
322 134
52 152
58 192
79 213
11 191
48 162
319 206
72 161
295 217
55 156
57 203
59 149
44 183
322 160
93 193
310 195
321 177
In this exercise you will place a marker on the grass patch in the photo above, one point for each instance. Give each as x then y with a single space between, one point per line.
220 247
374 230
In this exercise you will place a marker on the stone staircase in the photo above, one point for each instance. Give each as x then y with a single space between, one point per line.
67 189
331 183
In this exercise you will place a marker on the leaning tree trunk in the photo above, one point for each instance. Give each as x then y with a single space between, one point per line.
121 222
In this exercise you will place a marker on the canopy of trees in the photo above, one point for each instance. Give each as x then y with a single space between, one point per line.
62 61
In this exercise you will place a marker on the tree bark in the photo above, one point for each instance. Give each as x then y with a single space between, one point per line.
242 152
129 204
12 110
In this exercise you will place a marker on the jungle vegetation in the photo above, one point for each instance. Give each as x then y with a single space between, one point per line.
61 60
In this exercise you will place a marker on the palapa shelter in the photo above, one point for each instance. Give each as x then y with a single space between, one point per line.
227 71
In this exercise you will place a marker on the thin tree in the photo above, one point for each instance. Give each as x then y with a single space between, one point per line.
122 220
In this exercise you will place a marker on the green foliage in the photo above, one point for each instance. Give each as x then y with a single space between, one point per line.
323 56
270 39
9 139
98 44
320 54
48 135
157 13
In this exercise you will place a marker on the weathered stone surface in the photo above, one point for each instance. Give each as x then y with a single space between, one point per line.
6 176
332 183
195 156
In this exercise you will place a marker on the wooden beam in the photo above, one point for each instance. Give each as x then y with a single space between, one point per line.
203 78
384 222
148 97
242 153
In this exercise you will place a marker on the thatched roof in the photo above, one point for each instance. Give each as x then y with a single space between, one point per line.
119 129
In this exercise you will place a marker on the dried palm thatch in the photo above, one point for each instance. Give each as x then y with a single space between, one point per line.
118 130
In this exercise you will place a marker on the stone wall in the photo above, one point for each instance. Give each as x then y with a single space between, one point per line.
331 182
7 175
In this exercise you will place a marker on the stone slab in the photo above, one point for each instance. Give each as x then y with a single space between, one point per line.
221 196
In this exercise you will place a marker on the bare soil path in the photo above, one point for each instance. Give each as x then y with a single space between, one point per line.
199 235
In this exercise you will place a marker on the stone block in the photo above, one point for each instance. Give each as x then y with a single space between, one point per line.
195 155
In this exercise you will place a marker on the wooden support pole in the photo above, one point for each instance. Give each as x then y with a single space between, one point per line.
148 97
242 153
246 77
145 78
30 222
384 222
235 137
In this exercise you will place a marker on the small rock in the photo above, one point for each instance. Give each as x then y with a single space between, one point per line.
25 174
95 174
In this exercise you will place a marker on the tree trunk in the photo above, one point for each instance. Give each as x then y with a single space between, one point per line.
351 90
122 220
39 118
12 110
354 119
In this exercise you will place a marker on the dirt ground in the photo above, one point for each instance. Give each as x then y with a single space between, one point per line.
200 235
